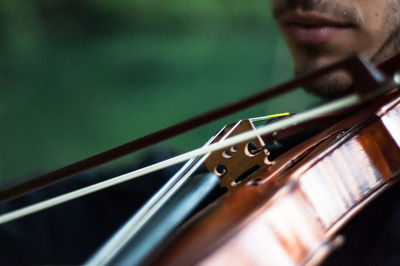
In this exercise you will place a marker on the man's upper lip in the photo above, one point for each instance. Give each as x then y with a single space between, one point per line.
312 19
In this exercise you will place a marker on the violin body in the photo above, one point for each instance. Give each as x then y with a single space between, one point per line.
290 214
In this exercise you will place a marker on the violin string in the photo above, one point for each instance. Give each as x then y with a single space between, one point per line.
144 214
325 109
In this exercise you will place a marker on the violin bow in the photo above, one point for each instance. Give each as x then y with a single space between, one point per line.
355 65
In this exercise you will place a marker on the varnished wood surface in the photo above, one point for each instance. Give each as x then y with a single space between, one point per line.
319 187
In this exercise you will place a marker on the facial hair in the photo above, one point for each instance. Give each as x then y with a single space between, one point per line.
322 6
337 84
392 45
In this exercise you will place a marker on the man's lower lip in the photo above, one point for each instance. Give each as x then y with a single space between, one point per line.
313 35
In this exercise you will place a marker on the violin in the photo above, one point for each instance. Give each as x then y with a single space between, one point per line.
256 214
290 214
261 207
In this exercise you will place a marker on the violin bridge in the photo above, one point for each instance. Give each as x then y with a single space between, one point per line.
236 164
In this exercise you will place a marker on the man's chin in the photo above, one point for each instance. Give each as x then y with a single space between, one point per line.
330 87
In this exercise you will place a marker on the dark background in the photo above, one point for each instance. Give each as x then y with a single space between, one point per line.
80 77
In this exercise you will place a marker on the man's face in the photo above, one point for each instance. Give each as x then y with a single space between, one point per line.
321 32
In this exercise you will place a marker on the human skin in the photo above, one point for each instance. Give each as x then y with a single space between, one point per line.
321 32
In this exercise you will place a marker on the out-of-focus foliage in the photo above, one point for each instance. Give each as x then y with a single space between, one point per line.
30 17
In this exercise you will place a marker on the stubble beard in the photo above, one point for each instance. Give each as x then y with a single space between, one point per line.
392 45
338 84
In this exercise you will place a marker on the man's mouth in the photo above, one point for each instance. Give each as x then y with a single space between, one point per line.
311 28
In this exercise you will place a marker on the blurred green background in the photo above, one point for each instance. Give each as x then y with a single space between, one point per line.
80 77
